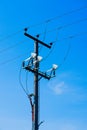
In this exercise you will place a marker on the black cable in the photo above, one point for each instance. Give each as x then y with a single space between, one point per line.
45 30
11 35
69 46
47 21
11 47
49 53
67 13
26 83
66 55
66 25
69 37
12 59
72 36
21 82
57 17
76 22
55 29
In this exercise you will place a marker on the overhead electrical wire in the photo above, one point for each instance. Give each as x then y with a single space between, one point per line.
26 82
49 53
46 21
25 89
11 35
10 60
65 38
71 36
73 23
66 55
20 81
68 13
45 32
59 16
12 46
13 59
68 37
44 36
65 26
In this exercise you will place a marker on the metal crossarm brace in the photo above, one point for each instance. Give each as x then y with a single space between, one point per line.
35 39
39 73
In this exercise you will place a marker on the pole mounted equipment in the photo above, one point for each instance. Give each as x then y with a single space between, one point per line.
32 64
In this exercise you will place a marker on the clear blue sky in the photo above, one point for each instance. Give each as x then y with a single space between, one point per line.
63 100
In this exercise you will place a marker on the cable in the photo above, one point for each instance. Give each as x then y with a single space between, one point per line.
21 82
11 35
44 36
72 36
41 23
45 32
12 46
12 59
69 46
66 25
55 29
49 53
76 22
57 17
57 34
26 83
69 37
67 13
66 55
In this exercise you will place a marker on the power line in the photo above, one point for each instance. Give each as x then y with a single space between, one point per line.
72 36
12 46
50 52
67 13
55 29
12 59
65 26
26 83
11 35
57 17
20 81
45 32
65 38
76 22
66 55
46 21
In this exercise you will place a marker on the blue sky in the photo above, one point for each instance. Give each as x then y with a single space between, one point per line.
63 99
